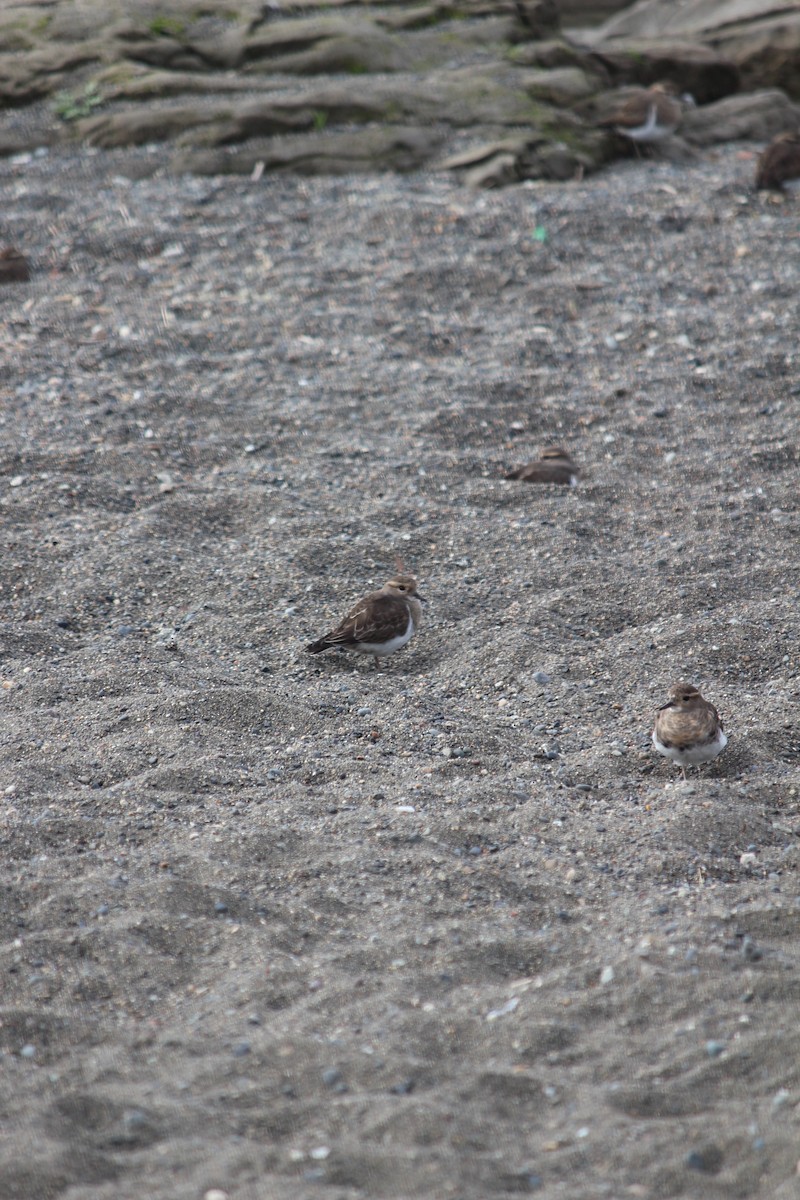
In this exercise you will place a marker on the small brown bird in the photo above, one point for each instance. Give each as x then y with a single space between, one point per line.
384 621
688 729
779 164
555 466
647 114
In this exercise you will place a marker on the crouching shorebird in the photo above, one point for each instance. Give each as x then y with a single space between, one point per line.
779 164
384 621
648 114
688 729
555 466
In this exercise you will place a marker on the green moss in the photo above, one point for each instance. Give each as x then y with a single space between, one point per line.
320 119
163 26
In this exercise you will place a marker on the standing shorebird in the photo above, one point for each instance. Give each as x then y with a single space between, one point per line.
779 164
555 466
382 622
688 729
648 114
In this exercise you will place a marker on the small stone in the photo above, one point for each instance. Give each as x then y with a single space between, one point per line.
241 1049
14 266
708 1160
714 1049
403 1088
607 975
331 1076
28 1051
320 1152
17 481
541 677
133 1121
220 907
215 1194
124 631
509 1006
750 950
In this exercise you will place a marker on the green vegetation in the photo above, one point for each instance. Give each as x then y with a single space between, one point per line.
70 106
320 120
163 26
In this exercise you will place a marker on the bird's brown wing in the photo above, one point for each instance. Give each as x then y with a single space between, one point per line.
375 619
544 472
680 728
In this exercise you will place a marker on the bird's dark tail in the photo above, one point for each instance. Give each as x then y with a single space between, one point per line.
317 647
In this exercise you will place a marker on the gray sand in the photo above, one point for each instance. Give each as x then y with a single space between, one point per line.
290 927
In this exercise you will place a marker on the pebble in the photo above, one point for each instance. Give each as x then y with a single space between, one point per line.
215 1194
241 1049
541 677
332 1078
28 1051
133 1121
495 1013
708 1160
220 907
714 1049
403 1088
750 950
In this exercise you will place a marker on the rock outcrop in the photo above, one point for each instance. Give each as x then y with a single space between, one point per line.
492 88
761 38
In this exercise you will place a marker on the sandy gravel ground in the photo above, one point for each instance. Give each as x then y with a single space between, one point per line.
285 927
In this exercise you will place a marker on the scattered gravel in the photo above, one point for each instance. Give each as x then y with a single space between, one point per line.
466 878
